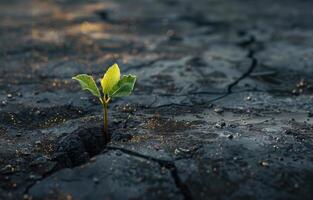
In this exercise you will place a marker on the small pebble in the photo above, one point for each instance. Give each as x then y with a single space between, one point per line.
220 125
230 136
288 132
37 112
3 103
8 169
184 150
264 164
218 110
248 98
176 151
9 96
295 92
93 159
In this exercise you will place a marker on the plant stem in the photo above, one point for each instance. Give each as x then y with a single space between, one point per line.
105 118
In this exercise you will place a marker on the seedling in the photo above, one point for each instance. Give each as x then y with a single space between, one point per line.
112 87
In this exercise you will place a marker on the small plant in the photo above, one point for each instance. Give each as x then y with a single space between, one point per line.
112 87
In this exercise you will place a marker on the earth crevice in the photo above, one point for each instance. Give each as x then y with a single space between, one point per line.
168 164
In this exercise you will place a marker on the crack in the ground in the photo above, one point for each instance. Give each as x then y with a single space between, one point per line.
229 88
169 165
26 190
253 65
251 68
163 163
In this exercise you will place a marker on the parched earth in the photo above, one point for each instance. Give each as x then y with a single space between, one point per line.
223 105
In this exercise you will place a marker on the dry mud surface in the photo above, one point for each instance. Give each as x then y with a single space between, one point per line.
223 105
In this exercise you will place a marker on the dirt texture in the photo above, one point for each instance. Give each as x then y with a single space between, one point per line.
222 108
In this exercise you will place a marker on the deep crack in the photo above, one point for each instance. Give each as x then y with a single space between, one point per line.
253 65
251 68
26 191
170 165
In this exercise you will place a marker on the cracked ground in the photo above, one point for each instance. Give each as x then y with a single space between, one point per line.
222 108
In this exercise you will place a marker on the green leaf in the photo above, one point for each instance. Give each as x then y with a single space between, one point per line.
87 83
124 87
110 79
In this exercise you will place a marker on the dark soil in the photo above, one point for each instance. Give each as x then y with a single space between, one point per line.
222 108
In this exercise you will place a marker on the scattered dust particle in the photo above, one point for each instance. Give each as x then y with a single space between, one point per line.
264 163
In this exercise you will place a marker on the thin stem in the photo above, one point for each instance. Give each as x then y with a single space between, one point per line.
106 121
105 102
